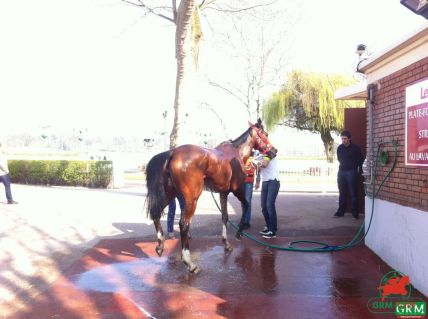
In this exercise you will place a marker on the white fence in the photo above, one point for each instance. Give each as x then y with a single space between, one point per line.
296 176
309 176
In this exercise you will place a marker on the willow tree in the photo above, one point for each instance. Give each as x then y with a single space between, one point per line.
306 102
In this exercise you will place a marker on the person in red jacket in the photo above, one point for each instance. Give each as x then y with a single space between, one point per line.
250 171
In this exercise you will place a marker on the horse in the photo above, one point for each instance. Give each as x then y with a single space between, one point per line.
189 169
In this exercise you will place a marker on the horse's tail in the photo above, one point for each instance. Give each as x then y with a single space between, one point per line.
156 199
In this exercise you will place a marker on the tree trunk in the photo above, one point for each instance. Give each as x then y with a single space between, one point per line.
328 145
182 34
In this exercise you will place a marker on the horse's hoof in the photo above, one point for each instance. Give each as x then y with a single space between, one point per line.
159 251
238 235
195 270
228 248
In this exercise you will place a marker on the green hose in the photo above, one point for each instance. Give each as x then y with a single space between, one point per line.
324 247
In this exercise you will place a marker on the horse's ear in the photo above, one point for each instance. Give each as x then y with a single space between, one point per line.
259 121
250 124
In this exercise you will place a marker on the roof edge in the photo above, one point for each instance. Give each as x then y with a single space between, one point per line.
357 91
397 46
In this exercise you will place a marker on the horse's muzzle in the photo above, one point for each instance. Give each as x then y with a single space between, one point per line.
272 152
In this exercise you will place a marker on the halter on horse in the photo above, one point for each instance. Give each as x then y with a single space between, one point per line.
188 169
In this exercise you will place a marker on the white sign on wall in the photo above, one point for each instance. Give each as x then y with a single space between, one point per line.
417 124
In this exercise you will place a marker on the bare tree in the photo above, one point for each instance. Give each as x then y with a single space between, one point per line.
186 17
259 42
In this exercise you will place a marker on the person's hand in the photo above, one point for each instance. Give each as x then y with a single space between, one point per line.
265 162
257 161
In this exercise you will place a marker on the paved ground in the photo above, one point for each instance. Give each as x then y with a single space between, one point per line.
50 229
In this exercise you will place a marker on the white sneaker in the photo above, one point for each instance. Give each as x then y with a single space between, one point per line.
269 234
264 231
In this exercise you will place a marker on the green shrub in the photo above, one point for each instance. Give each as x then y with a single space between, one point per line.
75 174
66 173
100 173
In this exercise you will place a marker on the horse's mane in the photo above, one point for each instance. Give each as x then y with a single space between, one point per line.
226 142
241 139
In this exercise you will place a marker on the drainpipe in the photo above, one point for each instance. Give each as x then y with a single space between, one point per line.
368 169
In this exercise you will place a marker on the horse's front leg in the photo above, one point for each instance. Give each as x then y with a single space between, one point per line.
240 194
184 234
160 236
225 218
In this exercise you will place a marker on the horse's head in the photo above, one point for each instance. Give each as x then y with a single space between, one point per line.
262 143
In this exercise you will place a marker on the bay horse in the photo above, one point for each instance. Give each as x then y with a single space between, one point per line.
188 169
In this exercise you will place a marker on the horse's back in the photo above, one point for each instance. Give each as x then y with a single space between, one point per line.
188 158
217 168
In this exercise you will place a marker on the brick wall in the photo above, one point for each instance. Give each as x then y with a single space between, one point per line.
406 185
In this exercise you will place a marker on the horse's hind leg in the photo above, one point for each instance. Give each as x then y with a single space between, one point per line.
185 220
160 236
225 218
185 251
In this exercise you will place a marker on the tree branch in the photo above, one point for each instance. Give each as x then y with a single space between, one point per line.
208 106
238 10
153 10
230 91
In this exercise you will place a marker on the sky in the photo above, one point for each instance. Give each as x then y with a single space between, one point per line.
98 65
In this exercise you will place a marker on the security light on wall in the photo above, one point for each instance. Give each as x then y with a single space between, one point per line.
361 49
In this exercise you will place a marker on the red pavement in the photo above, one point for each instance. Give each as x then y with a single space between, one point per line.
43 259
124 278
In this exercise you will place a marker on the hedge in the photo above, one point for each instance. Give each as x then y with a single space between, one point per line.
97 174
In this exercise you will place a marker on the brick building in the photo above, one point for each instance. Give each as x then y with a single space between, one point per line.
396 95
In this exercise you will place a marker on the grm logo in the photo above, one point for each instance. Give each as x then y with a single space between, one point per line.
409 309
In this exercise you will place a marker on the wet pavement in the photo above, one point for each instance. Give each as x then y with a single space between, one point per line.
118 274
123 278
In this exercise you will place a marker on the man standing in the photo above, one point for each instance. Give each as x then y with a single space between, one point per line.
350 161
269 174
4 176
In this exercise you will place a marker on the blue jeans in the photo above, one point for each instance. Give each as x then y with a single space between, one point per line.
171 212
268 196
248 196
347 180
5 179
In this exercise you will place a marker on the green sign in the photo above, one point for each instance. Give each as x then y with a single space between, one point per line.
409 309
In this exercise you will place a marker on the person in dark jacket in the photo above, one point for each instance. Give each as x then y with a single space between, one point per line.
350 162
